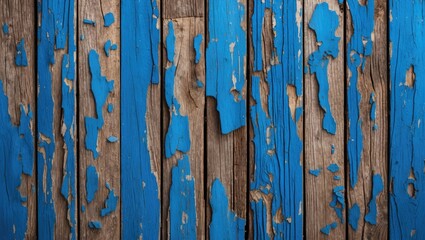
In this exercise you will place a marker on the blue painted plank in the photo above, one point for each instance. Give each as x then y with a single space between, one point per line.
278 171
225 62
55 32
140 205
407 132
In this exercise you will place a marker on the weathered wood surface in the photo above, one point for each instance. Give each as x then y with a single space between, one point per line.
212 119
324 118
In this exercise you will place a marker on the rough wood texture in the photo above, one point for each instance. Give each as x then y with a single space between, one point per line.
184 8
186 88
107 164
319 142
18 85
372 83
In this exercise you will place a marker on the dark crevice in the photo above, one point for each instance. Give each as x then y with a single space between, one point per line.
346 123
77 101
161 72
248 115
304 127
205 197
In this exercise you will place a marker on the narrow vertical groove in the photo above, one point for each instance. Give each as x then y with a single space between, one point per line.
248 118
161 114
205 122
35 112
346 165
77 114
388 118
304 129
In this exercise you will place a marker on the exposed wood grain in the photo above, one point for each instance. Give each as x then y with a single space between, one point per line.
371 80
19 87
189 92
227 154
56 163
107 164
318 141
184 8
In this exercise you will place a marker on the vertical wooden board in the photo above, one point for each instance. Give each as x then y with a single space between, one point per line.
226 143
183 164
140 120
276 192
56 122
407 134
367 98
17 124
99 119
324 120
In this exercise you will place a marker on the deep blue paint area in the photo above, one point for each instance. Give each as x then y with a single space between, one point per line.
354 216
140 205
197 45
95 225
225 62
358 50
278 169
324 22
108 19
377 188
92 183
224 223
338 202
110 202
21 55
16 158
327 229
5 29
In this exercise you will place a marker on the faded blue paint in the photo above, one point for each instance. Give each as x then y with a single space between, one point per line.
324 22
140 205
5 29
83 208
333 149
315 172
377 188
354 216
95 225
182 201
100 87
110 107
224 223
16 158
333 168
92 183
56 31
278 148
358 50
338 202
21 55
337 178
327 229
225 62
177 137
89 22
112 139
82 37
108 47
199 84
110 202
197 46
372 107
108 19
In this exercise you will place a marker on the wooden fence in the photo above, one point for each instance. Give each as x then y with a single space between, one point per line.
216 119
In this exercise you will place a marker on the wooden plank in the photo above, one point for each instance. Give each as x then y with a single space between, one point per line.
56 158
17 124
227 156
324 120
140 120
407 134
367 95
99 119
276 61
183 202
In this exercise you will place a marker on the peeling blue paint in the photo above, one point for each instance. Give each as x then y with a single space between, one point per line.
337 178
225 62
108 47
333 149
100 87
182 202
110 107
324 22
333 168
82 37
315 172
92 183
21 55
278 148
140 205
354 216
83 208
5 29
358 50
327 229
55 32
177 137
338 202
108 19
199 84
377 188
89 22
197 45
16 158
372 107
224 223
112 139
95 225
110 202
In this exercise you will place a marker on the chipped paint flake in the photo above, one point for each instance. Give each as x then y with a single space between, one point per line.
92 183
95 225
315 172
338 202
377 188
197 41
354 216
89 22
21 55
333 168
327 229
108 47
5 28
110 202
108 19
